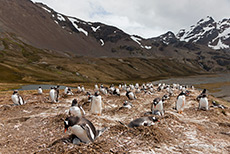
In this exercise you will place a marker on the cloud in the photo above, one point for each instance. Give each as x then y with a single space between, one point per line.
147 18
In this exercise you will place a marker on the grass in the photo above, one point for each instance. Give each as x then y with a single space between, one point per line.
23 63
213 87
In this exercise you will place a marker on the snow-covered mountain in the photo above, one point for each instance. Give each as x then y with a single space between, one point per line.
215 35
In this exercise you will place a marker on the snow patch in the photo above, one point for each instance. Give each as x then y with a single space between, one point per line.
60 17
95 28
73 21
102 42
220 45
148 47
46 9
136 39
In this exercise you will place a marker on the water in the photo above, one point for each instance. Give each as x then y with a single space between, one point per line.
221 82
35 86
221 91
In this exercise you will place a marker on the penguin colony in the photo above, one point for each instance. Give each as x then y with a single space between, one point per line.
86 132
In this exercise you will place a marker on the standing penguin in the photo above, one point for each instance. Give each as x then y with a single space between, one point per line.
53 95
39 90
157 106
17 99
203 103
82 128
96 104
180 102
130 95
201 94
76 110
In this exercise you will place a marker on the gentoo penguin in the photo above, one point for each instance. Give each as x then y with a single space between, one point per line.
203 103
76 110
53 95
202 93
82 88
130 95
96 87
79 89
157 107
165 97
39 90
116 91
17 99
143 121
103 90
180 102
96 104
217 105
127 105
68 91
82 128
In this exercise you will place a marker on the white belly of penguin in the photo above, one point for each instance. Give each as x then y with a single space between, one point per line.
158 107
131 96
81 133
40 91
52 96
15 99
75 111
96 106
180 103
203 103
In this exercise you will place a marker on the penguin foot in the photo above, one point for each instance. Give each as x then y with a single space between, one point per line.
99 114
180 112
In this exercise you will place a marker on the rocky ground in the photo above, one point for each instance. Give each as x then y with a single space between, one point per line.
38 126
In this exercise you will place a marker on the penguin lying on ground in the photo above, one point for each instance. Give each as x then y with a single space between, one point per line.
217 105
143 121
130 95
127 105
83 129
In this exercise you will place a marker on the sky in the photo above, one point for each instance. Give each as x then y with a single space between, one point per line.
146 18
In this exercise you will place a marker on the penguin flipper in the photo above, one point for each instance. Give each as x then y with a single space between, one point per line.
84 126
122 124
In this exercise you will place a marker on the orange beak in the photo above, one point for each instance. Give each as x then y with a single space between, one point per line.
65 130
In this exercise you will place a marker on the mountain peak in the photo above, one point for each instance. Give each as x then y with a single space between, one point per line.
208 32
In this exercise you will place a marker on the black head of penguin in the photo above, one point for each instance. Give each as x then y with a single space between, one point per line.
15 92
51 88
156 101
204 91
181 94
97 93
203 96
153 119
74 102
39 87
70 121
